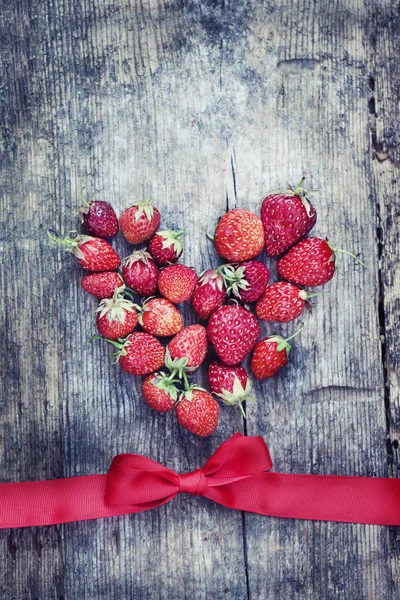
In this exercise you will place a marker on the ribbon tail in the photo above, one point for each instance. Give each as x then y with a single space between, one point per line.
56 501
368 500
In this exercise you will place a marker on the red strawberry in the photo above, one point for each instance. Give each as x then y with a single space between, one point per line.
177 283
140 273
310 262
93 254
116 317
198 412
282 302
247 281
209 293
159 392
139 354
99 219
187 350
239 235
231 384
102 285
270 355
160 317
139 222
287 217
233 331
165 246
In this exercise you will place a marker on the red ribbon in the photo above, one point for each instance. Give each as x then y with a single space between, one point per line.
235 476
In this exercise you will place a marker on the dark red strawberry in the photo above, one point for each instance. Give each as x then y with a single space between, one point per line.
99 219
159 392
140 273
93 254
310 262
139 222
247 281
165 246
231 384
160 317
177 283
116 317
233 331
102 285
198 412
287 217
239 235
282 302
209 293
139 354
270 355
187 350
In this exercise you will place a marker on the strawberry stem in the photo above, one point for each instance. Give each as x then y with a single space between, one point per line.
242 410
210 237
185 381
350 254
312 294
82 198
299 188
117 345
294 334
63 242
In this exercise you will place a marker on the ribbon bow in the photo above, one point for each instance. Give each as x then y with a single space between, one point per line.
147 484
236 476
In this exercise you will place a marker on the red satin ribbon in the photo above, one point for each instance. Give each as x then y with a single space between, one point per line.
235 476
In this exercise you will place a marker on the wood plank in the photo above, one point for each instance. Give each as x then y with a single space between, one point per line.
30 444
324 413
117 115
384 125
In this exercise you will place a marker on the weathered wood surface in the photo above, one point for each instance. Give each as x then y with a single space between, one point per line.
210 105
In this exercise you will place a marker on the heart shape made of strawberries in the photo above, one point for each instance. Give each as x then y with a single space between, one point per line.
140 296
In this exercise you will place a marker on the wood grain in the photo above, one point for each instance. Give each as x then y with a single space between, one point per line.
210 105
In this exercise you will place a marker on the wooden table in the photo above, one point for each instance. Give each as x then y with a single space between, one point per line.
210 105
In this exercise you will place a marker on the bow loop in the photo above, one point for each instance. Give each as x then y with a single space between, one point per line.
139 481
238 457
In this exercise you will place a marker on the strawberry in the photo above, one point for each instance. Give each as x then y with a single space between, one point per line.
159 392
310 262
177 283
160 317
139 222
247 281
239 235
93 254
140 273
187 350
282 302
99 219
231 384
233 331
287 217
138 354
198 412
209 293
102 285
165 246
116 317
270 355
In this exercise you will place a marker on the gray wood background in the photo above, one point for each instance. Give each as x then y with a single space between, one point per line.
211 105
